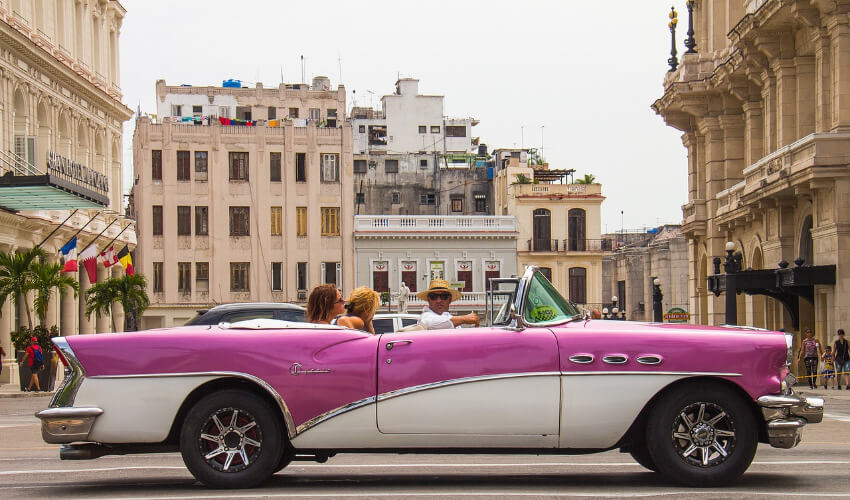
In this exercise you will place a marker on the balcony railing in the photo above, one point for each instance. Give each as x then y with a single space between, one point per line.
542 245
567 245
431 223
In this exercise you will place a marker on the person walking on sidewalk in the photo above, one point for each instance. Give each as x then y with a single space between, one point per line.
828 372
35 356
842 360
810 353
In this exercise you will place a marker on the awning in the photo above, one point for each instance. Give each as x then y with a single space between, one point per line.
46 192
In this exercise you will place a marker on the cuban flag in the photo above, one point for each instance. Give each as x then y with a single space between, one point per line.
108 257
89 260
69 254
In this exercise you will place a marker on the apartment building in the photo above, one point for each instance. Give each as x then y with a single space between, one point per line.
242 194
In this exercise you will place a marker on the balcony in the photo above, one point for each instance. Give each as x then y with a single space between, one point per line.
561 190
567 245
372 224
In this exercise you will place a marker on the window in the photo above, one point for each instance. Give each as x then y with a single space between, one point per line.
541 230
243 112
239 221
239 279
156 165
330 221
157 220
272 113
435 129
578 285
455 131
277 276
157 277
184 277
274 167
201 221
380 276
359 166
480 201
377 135
331 118
301 275
330 167
423 129
423 163
200 165
427 199
464 274
457 203
359 198
176 110
277 221
293 112
224 111
329 272
492 269
184 221
183 166
197 110
391 166
300 167
621 295
547 272
301 221
202 276
396 198
361 129
549 305
576 230
408 274
238 166
315 114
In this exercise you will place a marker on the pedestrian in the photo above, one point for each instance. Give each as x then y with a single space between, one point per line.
324 304
842 360
35 358
435 316
810 353
403 295
2 355
360 309
828 367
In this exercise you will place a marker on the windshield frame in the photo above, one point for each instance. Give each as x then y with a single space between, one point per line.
522 301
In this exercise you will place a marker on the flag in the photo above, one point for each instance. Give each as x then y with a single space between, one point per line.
107 256
89 259
126 261
69 253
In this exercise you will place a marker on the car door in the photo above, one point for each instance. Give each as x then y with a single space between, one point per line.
481 381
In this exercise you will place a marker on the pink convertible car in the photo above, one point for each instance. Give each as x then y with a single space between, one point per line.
241 401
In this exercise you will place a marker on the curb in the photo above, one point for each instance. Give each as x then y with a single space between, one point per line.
7 395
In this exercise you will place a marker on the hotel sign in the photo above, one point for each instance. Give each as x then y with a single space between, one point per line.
83 176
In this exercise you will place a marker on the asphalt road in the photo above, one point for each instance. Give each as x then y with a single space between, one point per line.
29 468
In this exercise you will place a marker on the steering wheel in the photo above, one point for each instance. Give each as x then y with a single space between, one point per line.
543 313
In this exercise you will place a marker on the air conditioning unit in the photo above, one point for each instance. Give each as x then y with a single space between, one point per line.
302 294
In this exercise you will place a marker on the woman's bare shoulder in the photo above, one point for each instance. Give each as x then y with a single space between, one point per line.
350 322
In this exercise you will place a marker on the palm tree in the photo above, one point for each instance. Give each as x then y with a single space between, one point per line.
46 277
129 291
16 276
587 179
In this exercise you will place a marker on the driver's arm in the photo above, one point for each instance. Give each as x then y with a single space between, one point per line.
466 319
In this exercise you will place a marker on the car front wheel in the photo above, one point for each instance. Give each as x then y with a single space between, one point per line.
231 439
702 435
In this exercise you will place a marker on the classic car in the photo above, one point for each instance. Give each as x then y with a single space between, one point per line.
241 401
241 311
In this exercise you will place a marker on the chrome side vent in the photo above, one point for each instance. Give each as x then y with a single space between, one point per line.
649 359
615 359
582 359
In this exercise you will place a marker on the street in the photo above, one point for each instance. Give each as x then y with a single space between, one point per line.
29 468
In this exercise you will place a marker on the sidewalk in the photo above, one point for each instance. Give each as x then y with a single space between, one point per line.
14 391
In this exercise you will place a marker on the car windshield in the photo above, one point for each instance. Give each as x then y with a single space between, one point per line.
544 304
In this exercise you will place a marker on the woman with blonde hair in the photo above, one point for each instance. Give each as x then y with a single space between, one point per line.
361 307
324 304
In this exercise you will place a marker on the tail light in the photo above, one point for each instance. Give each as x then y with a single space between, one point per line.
61 357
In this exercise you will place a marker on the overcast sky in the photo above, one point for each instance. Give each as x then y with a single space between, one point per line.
576 77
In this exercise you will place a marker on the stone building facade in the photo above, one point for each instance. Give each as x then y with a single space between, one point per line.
259 209
764 107
60 94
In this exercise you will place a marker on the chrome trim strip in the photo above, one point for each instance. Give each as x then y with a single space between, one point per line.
632 372
582 359
466 380
649 359
615 359
287 415
333 413
75 374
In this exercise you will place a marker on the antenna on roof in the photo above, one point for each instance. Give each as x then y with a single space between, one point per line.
281 73
302 68
339 60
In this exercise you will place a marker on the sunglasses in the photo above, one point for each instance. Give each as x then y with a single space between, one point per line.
443 296
340 301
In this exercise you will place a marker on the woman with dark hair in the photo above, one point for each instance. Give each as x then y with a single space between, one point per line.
360 309
324 304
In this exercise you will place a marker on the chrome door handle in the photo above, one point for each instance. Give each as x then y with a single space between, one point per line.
615 359
391 343
582 358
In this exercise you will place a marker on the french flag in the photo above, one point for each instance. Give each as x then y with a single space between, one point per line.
69 254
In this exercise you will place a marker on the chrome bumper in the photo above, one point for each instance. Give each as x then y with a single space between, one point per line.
786 415
67 425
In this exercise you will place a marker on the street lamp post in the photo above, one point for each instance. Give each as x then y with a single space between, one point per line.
657 296
690 43
674 19
730 267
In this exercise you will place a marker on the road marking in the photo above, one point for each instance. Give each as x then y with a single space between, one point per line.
837 416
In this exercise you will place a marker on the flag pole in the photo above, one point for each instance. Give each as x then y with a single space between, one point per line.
98 236
117 235
81 229
57 228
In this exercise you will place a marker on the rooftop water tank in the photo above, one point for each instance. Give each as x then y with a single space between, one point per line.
231 83
321 83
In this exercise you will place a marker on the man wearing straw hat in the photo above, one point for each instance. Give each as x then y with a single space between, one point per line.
435 316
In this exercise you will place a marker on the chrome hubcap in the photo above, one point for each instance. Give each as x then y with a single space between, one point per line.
230 440
703 434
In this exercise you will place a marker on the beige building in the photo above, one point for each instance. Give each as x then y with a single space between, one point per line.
559 223
60 106
764 105
234 212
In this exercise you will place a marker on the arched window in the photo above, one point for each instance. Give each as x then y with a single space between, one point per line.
576 233
806 246
546 271
542 227
578 285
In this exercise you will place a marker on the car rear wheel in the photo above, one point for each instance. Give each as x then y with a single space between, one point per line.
231 439
641 456
701 435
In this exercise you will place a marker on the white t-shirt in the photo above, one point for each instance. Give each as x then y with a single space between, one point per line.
433 321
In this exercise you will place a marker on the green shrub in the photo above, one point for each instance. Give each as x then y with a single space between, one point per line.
21 338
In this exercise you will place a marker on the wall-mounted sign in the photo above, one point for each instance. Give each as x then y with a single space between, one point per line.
62 167
677 315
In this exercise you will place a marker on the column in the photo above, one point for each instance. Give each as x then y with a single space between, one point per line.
103 323
118 315
6 326
70 308
823 81
840 51
86 325
753 131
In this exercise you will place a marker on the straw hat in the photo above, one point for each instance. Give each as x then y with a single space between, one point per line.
438 285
